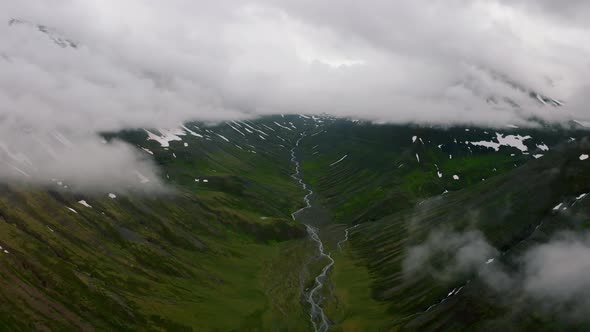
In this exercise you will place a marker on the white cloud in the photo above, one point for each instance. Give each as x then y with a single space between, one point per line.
158 63
553 275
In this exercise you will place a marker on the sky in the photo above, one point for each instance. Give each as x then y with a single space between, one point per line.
154 63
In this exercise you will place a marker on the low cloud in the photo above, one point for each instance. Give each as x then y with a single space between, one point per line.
557 272
157 64
80 163
553 275
446 255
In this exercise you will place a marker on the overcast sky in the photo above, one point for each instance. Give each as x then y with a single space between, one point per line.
155 63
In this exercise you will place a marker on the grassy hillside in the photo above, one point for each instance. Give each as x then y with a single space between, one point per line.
220 251
399 201
389 168
216 254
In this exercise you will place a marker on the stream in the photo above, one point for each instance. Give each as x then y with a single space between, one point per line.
318 318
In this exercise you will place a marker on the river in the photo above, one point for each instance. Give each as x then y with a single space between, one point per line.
318 318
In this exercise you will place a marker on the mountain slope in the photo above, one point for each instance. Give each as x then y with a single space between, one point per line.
398 210
220 250
188 259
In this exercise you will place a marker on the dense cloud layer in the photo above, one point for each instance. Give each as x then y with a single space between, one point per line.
157 63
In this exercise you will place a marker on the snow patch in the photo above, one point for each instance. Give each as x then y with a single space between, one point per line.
583 123
223 137
166 136
142 178
515 141
284 127
338 161
192 132
236 129
83 202
539 98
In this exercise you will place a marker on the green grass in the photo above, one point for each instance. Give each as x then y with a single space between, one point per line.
204 257
155 272
354 308
226 256
381 174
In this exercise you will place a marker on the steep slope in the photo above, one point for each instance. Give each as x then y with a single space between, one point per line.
234 243
221 251
506 188
214 253
388 168
508 210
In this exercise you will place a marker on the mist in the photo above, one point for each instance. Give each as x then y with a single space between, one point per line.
157 64
446 255
553 276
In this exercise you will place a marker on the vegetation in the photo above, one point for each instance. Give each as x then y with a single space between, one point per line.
226 255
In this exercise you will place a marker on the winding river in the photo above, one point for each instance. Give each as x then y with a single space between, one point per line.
318 318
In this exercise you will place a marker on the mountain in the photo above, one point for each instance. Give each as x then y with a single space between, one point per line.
121 261
300 222
517 199
221 250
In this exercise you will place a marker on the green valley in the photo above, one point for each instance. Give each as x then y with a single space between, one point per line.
219 250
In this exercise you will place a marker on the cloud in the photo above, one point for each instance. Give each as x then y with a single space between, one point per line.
571 12
446 255
81 163
557 272
159 63
553 276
